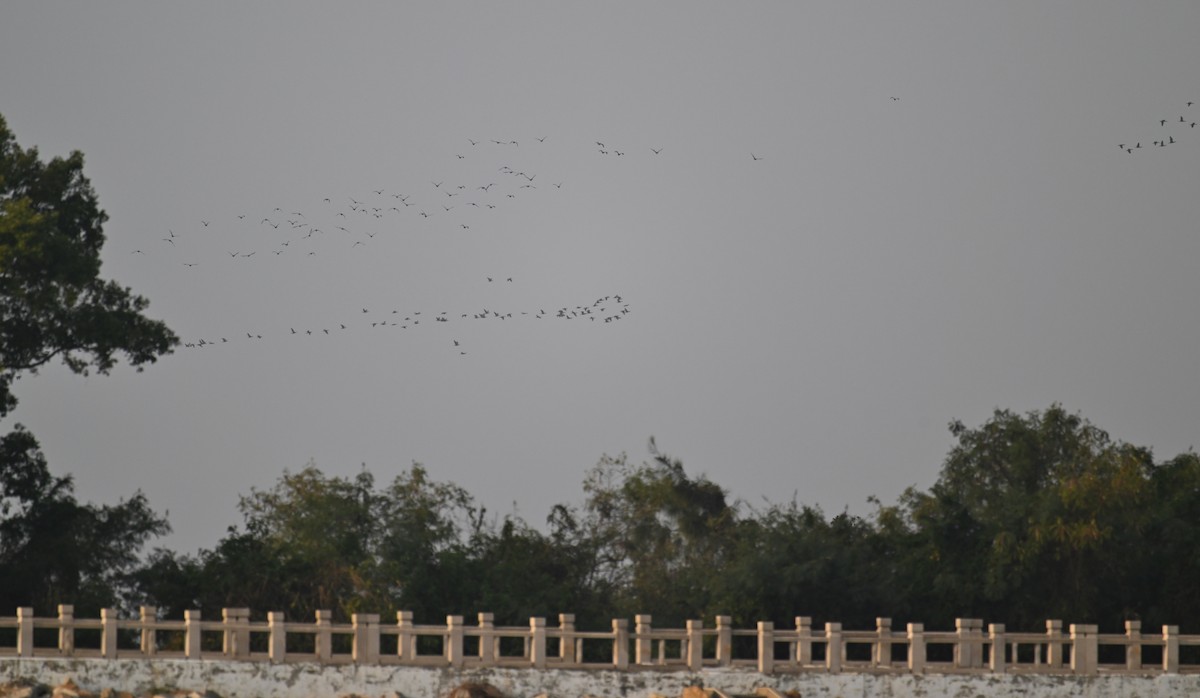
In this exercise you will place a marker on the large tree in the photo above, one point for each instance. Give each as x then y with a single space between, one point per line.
53 549
53 304
1034 516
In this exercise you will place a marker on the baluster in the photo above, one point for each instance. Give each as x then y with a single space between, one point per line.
1054 649
108 633
695 645
324 637
620 629
66 630
406 640
766 647
1170 634
643 647
25 631
724 640
454 641
567 641
996 635
916 648
191 634
537 650
1133 650
804 640
365 649
277 650
833 647
487 639
1084 649
881 655
149 644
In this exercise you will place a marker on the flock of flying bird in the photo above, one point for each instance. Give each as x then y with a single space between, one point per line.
1168 129
344 224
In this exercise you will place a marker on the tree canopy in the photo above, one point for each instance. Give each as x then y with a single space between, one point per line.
53 303
1034 516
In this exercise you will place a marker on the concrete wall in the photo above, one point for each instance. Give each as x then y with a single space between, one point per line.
311 680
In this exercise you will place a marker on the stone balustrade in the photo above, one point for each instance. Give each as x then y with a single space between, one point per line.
1077 649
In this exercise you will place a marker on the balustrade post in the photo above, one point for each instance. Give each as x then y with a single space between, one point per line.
833 647
1133 650
537 648
997 660
324 636
277 643
766 647
1054 648
25 631
1170 635
643 645
108 633
406 640
916 648
724 640
241 633
454 641
66 629
803 640
236 633
191 634
487 638
695 645
365 649
149 644
227 641
566 638
881 653
620 628
1084 649
968 647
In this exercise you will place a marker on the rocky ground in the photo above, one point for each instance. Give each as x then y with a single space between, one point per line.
69 689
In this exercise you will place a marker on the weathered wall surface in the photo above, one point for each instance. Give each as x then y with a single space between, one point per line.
310 680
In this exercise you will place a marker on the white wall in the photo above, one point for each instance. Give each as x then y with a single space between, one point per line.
307 680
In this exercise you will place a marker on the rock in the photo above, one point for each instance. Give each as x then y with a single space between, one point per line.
68 689
475 690
25 690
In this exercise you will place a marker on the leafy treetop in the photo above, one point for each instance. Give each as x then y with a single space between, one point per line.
54 302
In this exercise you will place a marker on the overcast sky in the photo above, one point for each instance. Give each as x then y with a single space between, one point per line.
833 227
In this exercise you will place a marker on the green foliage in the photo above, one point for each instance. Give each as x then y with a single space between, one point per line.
315 542
661 535
1034 516
55 303
52 548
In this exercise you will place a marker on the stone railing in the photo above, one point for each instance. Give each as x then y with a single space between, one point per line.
968 649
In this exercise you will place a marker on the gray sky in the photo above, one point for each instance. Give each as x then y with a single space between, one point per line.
806 322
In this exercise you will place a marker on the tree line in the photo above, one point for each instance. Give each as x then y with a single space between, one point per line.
1033 516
